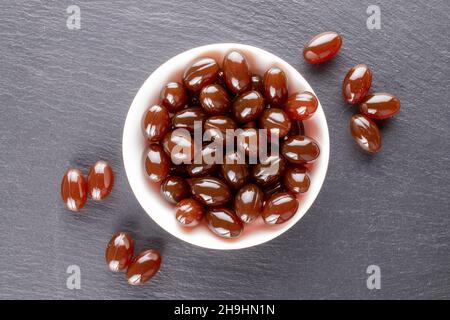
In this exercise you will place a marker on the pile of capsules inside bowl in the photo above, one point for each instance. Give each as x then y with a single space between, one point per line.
253 161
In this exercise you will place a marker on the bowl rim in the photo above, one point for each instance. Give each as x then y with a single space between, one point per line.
185 58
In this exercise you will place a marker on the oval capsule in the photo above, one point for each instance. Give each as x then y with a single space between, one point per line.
248 106
189 118
279 208
380 106
235 170
268 171
276 121
179 146
275 87
156 123
210 191
74 190
248 202
236 73
301 106
366 134
174 189
224 222
322 47
174 96
208 163
202 72
189 212
296 179
157 163
300 149
119 251
100 180
215 100
357 83
217 126
200 169
143 267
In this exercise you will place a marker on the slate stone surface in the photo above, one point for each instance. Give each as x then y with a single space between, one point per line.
64 95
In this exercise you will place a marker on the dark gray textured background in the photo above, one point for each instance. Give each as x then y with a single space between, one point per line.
64 95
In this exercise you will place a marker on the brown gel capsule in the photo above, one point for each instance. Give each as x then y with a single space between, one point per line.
224 222
202 72
187 118
179 146
296 179
143 267
200 169
248 106
275 87
275 121
214 100
100 180
279 208
207 165
218 126
357 83
301 106
210 191
157 163
322 47
234 170
119 251
74 190
365 133
174 96
189 212
156 123
268 171
248 203
175 189
380 106
300 149
236 72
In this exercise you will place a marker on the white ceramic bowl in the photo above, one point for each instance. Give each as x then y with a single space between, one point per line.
134 144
